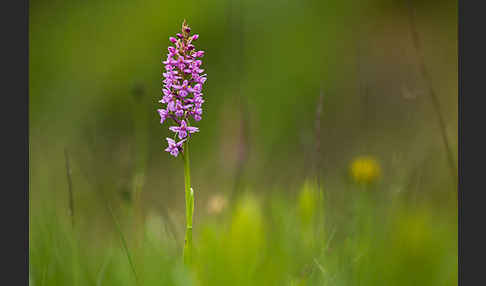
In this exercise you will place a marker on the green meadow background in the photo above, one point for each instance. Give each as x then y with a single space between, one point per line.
298 92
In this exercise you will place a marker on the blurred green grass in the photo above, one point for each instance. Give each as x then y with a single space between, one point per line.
280 240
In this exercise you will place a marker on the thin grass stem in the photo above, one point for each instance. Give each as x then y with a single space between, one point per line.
70 186
124 243
317 133
433 96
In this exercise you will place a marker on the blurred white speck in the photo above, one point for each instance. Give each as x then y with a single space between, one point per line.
216 204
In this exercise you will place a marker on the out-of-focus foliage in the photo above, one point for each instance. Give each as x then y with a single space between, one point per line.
262 242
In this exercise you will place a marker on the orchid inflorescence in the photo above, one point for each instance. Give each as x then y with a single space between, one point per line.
182 91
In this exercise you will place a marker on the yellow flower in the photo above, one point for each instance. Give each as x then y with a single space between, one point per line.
365 169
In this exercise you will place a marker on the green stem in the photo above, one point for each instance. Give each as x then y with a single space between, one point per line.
189 207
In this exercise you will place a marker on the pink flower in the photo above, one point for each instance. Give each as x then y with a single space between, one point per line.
174 148
163 115
182 87
183 129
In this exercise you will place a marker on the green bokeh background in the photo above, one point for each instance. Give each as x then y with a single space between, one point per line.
95 81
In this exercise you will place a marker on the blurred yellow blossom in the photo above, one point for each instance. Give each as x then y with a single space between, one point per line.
365 169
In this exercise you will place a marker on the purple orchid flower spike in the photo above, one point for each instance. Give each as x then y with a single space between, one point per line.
183 81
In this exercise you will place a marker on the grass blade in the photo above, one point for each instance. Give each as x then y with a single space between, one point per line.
70 187
124 243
